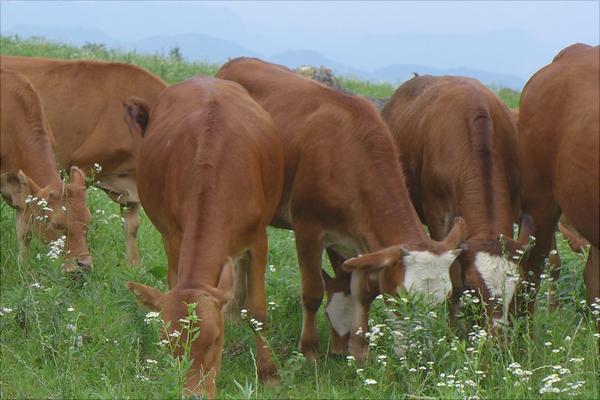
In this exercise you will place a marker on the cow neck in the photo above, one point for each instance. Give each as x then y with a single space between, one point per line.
202 254
39 164
205 242
485 198
45 174
392 217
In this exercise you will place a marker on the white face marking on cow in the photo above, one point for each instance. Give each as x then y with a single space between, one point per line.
501 278
339 311
428 273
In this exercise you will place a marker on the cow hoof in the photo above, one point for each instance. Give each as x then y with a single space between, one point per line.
358 348
269 377
310 349
339 345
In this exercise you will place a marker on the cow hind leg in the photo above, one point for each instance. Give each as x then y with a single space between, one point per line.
257 308
131 217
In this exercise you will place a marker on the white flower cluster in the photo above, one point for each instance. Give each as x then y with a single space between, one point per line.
151 317
518 371
477 335
5 310
256 324
551 383
56 247
454 381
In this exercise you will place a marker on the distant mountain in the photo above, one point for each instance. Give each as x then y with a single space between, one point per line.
202 47
402 72
195 46
75 36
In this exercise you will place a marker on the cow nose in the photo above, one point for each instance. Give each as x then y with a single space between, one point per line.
85 262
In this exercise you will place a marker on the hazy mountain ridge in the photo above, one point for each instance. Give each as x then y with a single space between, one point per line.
202 47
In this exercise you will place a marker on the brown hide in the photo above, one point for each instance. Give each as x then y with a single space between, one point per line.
458 147
344 189
30 180
210 174
559 128
83 101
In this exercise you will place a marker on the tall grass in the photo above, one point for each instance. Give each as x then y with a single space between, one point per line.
87 338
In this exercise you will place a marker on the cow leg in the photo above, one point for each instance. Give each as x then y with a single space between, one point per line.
555 266
338 293
234 307
23 236
361 299
545 215
310 251
172 244
131 217
591 277
257 307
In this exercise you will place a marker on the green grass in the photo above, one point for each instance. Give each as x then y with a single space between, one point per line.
88 339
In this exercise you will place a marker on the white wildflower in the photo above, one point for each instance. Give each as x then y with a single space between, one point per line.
5 310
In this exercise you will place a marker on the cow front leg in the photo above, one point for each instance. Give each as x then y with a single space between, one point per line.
131 223
257 307
591 277
338 303
310 251
555 265
23 236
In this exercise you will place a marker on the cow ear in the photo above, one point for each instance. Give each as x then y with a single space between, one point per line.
376 261
76 177
457 235
15 187
137 114
526 230
146 295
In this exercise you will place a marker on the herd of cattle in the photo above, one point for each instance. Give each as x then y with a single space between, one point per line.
214 161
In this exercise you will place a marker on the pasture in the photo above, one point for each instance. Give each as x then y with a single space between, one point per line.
87 338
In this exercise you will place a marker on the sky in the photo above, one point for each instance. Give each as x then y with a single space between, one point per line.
360 34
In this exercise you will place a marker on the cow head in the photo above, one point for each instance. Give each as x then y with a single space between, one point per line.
491 269
422 268
207 349
58 217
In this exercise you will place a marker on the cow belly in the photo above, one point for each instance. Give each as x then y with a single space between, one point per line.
121 188
343 245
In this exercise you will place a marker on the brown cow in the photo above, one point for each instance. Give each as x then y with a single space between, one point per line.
210 175
30 182
344 189
559 125
576 242
458 146
83 101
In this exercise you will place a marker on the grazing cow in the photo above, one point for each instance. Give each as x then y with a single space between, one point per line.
83 101
464 164
575 240
210 175
30 182
344 189
559 125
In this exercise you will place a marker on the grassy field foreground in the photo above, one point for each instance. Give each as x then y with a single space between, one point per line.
87 338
